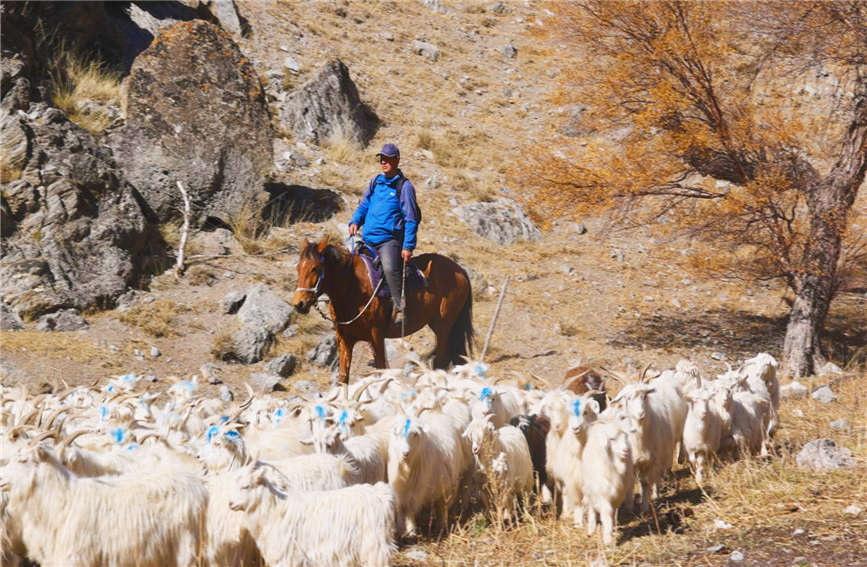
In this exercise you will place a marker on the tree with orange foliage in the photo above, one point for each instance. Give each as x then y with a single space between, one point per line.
698 126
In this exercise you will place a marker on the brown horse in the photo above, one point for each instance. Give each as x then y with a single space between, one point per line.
445 304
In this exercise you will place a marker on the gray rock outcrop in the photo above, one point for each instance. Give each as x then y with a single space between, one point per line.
9 320
325 353
63 320
824 395
262 314
824 454
283 365
502 221
195 113
264 309
329 105
74 232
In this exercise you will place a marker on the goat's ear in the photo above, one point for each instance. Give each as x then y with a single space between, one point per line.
323 244
593 406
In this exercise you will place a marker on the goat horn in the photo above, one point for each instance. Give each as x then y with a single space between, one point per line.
643 375
574 379
540 379
67 441
499 379
154 435
334 396
50 422
619 377
13 433
28 416
46 435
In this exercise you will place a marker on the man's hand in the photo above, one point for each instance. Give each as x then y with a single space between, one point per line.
406 254
353 228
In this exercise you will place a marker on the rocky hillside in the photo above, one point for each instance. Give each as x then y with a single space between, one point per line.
268 114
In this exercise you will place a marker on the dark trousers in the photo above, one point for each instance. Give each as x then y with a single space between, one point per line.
392 266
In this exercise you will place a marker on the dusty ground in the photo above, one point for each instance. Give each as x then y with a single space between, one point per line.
621 301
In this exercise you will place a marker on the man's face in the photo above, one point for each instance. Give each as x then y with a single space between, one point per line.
389 164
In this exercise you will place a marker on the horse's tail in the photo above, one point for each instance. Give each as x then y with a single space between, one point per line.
462 334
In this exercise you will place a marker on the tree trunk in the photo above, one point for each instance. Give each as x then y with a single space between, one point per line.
829 201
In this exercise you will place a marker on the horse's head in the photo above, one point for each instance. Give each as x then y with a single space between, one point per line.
311 273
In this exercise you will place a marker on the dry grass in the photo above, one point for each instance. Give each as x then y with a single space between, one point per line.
161 318
82 88
343 149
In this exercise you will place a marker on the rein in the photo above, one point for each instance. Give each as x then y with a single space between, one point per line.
317 289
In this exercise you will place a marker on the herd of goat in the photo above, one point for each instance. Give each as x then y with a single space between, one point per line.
117 476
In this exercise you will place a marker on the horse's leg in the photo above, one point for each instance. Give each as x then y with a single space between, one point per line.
344 356
377 341
441 350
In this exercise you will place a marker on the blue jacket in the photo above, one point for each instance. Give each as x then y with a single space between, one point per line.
383 216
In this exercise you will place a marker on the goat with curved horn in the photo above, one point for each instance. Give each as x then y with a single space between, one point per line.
575 378
67 441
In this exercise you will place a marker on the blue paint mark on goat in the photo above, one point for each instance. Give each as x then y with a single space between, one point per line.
576 408
103 413
320 411
342 421
406 427
224 419
278 415
117 434
131 447
213 430
486 393
232 436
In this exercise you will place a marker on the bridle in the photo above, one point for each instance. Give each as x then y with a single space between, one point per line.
317 291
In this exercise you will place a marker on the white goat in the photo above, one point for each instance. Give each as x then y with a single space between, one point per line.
503 456
350 526
147 518
607 473
708 417
427 457
658 412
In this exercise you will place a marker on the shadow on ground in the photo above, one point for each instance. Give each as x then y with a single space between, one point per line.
732 331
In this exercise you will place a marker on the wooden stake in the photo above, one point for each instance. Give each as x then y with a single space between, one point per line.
496 315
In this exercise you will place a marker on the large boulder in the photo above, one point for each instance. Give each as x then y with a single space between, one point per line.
74 233
329 105
195 113
503 221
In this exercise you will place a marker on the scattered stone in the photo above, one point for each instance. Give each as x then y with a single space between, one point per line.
797 412
509 51
217 242
265 382
291 64
566 270
799 560
264 309
229 275
722 525
114 348
425 49
718 356
830 369
824 454
502 221
127 300
497 8
416 555
840 425
580 228
328 105
824 395
715 548
852 510
64 320
387 36
283 365
736 556
793 389
9 320
290 331
211 373
247 345
232 302
155 352
226 394
799 531
306 386
325 353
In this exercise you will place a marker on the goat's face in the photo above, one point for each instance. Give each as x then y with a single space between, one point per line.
582 412
245 494
404 436
480 432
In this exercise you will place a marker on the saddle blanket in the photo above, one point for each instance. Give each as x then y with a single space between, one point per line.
415 278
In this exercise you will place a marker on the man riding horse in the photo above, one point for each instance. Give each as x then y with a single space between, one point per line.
439 296
389 214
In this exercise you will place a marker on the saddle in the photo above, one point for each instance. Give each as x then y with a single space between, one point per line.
415 278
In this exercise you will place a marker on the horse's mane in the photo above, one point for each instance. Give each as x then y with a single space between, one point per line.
335 254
